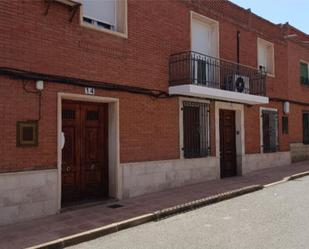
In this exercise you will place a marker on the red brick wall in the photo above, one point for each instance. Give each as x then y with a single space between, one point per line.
149 129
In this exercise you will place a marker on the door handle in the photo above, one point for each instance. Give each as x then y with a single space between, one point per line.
62 140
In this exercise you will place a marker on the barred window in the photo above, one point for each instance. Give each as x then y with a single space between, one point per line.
270 131
306 127
285 125
195 129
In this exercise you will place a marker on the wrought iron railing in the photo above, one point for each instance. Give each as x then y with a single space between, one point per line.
199 69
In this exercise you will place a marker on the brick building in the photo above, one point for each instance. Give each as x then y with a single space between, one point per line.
121 98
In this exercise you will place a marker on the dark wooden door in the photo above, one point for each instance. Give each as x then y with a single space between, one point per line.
84 156
227 143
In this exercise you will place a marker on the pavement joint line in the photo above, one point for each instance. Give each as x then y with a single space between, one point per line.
156 216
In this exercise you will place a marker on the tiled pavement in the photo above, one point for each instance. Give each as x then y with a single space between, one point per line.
41 230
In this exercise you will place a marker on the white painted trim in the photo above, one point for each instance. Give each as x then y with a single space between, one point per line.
240 129
213 93
261 126
115 184
180 101
307 62
208 20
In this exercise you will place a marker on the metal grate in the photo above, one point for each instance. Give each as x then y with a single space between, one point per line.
270 131
68 114
115 206
306 127
195 129
285 125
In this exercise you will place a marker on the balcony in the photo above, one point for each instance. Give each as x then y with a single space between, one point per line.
199 75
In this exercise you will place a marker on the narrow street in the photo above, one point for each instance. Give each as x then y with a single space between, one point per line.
276 217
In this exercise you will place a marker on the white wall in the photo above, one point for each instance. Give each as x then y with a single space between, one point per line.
252 162
147 177
27 195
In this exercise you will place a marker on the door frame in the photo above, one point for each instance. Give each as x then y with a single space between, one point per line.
240 130
114 169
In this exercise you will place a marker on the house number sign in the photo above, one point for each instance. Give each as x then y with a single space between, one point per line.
89 91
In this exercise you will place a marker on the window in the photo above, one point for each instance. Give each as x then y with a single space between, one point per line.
204 42
266 56
195 129
304 73
107 15
269 130
306 127
285 125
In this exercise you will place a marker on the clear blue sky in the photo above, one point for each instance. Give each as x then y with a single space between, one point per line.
296 12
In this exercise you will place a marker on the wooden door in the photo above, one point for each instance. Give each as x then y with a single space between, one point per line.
70 159
84 156
227 143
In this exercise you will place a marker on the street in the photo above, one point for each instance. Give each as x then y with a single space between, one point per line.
276 217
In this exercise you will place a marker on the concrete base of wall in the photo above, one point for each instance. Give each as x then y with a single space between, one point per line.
33 194
147 177
252 162
299 152
27 195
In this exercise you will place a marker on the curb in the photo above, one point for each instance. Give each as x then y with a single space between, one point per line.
288 178
205 201
94 233
299 175
158 215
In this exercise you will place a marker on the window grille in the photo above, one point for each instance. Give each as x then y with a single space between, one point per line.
306 127
195 129
270 131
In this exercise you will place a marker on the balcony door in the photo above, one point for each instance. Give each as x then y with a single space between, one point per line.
204 41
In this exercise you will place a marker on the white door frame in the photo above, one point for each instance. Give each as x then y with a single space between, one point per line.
114 169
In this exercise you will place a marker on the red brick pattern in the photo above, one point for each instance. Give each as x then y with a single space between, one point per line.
149 129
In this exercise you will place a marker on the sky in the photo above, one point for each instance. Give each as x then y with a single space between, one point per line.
296 12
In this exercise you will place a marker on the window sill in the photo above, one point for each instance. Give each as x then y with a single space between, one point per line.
115 33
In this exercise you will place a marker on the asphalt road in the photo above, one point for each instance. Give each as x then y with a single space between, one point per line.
274 218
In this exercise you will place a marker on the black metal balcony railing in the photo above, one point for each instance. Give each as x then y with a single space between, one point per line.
199 69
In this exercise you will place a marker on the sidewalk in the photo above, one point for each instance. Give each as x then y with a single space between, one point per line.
42 230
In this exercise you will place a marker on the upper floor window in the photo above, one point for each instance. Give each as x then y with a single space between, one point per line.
266 56
105 15
304 73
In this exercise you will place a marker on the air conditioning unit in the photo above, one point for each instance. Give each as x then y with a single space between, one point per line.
238 83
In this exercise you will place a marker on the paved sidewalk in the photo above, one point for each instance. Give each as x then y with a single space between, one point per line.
53 227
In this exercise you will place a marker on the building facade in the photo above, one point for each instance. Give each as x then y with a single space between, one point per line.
120 98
